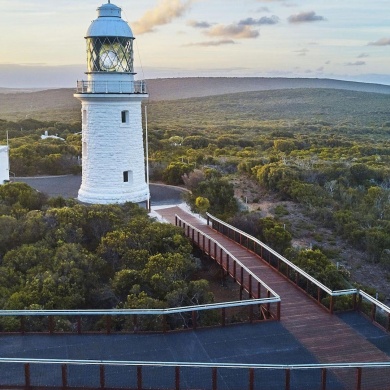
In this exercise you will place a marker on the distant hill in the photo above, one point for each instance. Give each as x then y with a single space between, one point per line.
60 105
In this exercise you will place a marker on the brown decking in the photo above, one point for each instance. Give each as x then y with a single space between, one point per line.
326 336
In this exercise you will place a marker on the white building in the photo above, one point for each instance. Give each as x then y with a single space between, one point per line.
4 164
113 161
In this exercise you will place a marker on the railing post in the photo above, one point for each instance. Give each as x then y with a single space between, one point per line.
214 378
227 263
215 251
108 324
323 379
102 377
164 323
27 375
194 324
251 379
318 294
268 304
250 286
78 325
354 301
208 220
177 378
373 312
359 379
51 325
251 314
288 378
135 323
64 374
235 271
139 377
22 327
258 290
388 322
278 307
221 256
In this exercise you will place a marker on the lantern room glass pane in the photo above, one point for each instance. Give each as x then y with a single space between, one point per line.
110 54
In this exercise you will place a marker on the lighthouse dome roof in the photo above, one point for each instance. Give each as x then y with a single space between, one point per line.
109 23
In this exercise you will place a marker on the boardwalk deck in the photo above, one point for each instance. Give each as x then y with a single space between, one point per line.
326 336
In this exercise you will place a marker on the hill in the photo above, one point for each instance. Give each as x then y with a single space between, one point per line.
60 105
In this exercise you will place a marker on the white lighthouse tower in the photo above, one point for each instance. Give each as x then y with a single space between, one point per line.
113 162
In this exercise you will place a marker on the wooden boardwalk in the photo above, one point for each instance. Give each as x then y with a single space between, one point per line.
327 337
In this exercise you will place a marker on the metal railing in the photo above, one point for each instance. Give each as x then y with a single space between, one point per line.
246 279
134 320
16 373
377 312
114 86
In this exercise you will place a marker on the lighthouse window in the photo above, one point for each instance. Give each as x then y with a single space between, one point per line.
128 176
125 116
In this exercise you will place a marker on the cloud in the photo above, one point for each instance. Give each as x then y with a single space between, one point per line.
363 55
163 13
213 43
195 24
263 9
380 42
237 31
302 52
304 17
259 22
356 63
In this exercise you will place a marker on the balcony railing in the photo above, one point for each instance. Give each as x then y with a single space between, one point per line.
134 87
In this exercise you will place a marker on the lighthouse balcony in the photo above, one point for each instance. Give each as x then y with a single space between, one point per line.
114 86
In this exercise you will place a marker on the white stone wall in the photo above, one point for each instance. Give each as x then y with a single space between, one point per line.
4 161
110 148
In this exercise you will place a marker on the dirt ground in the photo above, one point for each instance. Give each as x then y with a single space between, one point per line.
307 232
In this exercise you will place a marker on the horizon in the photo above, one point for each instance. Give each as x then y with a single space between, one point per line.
192 38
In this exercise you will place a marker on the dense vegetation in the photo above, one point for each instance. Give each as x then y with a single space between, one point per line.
327 150
57 254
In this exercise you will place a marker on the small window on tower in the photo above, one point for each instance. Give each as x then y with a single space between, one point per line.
125 116
128 177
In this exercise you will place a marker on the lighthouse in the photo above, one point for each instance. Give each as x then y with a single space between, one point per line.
113 161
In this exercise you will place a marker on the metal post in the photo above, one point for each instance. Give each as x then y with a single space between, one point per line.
51 325
177 378
288 378
148 205
359 379
373 312
64 372
27 375
102 377
139 377
214 379
227 263
251 379
108 324
79 325
323 379
194 324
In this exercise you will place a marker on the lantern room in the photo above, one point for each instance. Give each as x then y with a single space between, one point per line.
109 42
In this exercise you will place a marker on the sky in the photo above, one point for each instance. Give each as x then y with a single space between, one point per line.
43 42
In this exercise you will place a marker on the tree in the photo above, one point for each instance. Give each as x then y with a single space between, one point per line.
202 204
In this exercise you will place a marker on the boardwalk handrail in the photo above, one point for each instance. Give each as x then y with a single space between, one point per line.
24 373
254 276
91 362
376 316
127 312
287 262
